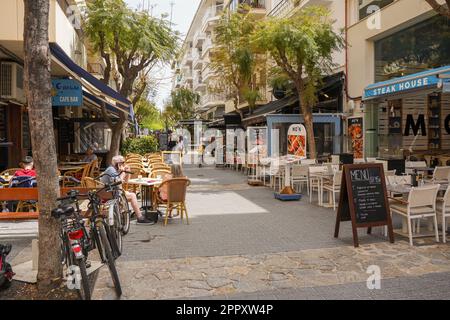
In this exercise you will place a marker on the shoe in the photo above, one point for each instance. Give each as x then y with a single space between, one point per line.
145 221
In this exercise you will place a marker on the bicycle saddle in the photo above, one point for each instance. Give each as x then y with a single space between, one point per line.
62 211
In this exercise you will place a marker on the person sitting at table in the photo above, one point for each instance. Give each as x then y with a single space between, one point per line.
175 172
90 155
27 166
111 175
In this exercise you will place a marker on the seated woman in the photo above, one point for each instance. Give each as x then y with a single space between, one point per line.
111 175
175 172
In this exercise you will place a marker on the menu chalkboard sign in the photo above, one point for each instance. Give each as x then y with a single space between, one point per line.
363 199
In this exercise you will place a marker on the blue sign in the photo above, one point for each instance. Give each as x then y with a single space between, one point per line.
67 93
400 86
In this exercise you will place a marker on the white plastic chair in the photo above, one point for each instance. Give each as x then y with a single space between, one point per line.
299 176
421 204
441 175
334 187
314 181
443 209
308 161
390 173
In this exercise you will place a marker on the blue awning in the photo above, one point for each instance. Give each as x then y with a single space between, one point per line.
422 80
121 102
94 100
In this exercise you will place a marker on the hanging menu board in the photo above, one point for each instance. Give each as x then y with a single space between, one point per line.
364 199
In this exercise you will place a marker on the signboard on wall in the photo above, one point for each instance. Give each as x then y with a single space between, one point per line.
356 134
297 140
66 93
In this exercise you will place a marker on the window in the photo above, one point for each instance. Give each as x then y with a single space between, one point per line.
96 134
421 47
367 7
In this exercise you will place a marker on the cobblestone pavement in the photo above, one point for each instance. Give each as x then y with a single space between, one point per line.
243 244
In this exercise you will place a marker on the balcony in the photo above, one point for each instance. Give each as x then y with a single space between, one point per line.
187 75
258 6
207 73
207 45
199 38
211 17
188 58
198 60
210 100
287 8
199 85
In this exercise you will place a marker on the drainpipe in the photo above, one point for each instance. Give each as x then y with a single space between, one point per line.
346 54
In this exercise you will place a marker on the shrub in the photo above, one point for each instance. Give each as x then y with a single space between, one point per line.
141 145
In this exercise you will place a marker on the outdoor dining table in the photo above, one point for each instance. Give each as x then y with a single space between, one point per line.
147 193
69 167
73 163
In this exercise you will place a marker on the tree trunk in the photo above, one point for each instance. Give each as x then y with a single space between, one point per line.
306 111
37 82
116 138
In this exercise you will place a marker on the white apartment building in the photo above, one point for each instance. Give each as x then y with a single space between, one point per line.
193 70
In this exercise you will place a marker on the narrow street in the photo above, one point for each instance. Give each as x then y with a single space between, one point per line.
244 244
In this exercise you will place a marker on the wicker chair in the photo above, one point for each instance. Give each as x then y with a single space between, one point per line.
10 172
73 178
176 197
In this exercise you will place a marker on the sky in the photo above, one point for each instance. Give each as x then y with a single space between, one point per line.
182 15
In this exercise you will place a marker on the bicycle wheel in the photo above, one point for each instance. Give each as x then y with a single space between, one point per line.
108 254
116 229
124 213
84 290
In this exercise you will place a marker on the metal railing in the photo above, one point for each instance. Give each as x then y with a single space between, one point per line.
282 9
212 12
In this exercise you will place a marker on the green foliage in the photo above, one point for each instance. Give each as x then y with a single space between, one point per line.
183 102
131 40
148 115
234 59
141 145
301 46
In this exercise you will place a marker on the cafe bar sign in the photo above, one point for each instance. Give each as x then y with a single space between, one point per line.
66 93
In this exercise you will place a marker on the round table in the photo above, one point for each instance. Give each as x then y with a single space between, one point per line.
147 186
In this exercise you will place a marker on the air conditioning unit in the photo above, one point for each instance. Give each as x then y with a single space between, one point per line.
11 81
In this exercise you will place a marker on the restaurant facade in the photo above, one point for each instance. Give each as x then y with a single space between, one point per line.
399 81
77 95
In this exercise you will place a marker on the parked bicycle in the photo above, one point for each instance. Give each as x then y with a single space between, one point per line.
120 203
78 239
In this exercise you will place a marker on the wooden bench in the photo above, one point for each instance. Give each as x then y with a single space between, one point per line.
26 194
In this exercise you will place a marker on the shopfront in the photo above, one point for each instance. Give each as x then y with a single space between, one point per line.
409 116
327 131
